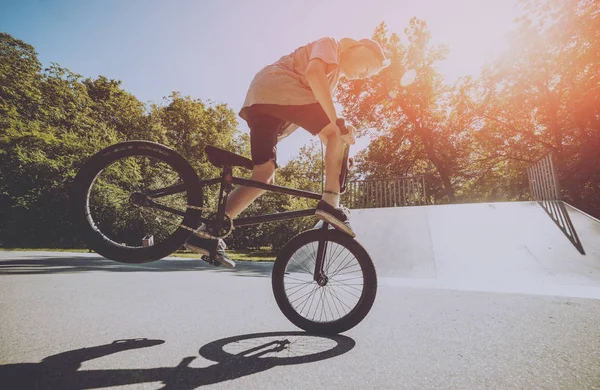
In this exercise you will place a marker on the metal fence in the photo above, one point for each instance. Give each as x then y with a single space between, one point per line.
391 192
543 184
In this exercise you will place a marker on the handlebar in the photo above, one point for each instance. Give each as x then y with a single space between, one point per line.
341 124
344 170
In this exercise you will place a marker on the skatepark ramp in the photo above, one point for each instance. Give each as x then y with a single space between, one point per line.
508 247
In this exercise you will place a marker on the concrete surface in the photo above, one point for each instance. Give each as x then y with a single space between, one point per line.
486 296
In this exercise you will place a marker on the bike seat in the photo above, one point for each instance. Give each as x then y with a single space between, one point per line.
221 158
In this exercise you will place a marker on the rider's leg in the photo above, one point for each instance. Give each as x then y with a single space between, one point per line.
242 197
237 201
328 208
264 129
267 122
334 153
263 140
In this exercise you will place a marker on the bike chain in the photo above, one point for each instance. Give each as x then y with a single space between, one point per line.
206 235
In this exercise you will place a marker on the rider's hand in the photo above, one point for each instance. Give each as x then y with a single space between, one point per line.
348 138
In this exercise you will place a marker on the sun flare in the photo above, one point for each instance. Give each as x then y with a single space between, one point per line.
408 78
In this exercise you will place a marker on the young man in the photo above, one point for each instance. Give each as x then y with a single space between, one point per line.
296 91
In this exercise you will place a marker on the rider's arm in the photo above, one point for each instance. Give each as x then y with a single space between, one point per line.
316 75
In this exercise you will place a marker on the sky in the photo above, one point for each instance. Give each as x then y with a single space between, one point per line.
211 49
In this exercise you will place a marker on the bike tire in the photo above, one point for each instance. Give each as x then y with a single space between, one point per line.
303 246
101 241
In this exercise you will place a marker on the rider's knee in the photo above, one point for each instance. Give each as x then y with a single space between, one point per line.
264 173
328 132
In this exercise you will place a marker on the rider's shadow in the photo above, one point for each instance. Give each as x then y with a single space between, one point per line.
235 356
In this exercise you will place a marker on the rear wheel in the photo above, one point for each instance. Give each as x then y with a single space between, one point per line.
116 205
341 299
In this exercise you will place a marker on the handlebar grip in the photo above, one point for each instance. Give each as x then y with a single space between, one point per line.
341 124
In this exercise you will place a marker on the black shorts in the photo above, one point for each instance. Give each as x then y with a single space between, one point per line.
267 122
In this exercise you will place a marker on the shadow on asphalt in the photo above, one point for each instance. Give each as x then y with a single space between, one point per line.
94 263
235 357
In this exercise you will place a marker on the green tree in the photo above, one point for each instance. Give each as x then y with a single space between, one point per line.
51 121
541 96
118 109
20 95
411 136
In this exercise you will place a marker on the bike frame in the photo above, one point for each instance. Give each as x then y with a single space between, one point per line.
227 180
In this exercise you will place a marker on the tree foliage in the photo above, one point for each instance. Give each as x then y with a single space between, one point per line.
52 120
412 136
543 96
473 140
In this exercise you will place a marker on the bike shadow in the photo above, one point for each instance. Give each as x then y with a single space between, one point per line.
43 264
245 355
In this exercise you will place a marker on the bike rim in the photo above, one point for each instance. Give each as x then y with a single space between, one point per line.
112 213
276 348
334 300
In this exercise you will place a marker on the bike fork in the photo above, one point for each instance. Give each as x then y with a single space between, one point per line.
319 275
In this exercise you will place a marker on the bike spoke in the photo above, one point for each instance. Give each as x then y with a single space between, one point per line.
347 290
330 292
313 298
300 280
298 288
305 301
340 294
357 273
121 221
314 253
334 256
348 272
301 265
343 265
340 300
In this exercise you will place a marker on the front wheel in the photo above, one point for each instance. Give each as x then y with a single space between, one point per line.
337 302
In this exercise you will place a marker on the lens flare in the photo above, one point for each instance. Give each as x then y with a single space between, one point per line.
408 78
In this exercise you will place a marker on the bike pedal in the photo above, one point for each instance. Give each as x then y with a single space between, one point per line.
211 260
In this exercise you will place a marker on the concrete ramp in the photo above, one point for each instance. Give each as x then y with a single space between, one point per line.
505 247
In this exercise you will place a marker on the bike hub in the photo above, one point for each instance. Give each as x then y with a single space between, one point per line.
138 199
322 280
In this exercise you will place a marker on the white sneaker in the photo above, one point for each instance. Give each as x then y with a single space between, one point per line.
204 246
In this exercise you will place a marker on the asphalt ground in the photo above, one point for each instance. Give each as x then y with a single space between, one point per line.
79 321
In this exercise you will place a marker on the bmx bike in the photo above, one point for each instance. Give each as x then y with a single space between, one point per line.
139 201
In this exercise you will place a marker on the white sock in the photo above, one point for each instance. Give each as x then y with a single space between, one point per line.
331 197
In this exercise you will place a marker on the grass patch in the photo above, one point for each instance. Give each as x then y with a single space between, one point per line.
243 255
